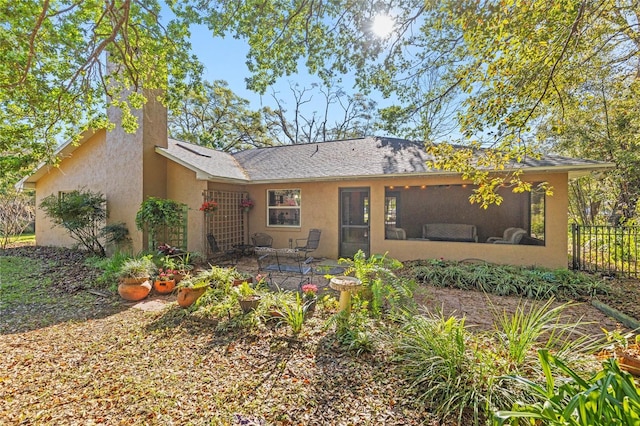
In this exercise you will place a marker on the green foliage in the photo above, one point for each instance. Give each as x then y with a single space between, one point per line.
460 374
245 290
448 371
137 267
158 215
610 397
388 293
110 267
492 71
64 91
82 213
536 325
504 280
293 314
355 330
118 235
212 115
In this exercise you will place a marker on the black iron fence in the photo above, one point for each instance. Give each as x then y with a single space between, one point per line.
606 249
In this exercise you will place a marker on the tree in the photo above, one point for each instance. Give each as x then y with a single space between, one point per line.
82 213
17 212
53 77
507 65
216 117
602 121
337 116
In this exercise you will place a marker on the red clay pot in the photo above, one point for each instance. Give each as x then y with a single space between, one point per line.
134 289
188 296
164 287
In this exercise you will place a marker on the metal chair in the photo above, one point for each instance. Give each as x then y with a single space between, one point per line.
310 243
219 256
261 239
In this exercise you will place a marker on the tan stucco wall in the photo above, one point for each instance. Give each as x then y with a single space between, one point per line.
122 166
320 206
82 169
182 186
134 171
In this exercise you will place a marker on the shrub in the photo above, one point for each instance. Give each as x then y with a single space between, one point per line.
610 397
505 280
82 213
157 215
461 374
447 370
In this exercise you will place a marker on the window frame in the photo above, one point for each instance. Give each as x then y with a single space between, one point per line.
277 206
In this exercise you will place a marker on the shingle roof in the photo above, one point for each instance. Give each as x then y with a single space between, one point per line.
344 159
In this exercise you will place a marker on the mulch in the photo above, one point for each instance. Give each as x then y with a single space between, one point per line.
114 364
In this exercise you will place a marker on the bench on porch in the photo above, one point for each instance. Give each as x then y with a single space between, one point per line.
285 263
450 232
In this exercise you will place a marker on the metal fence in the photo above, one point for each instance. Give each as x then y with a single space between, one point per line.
606 249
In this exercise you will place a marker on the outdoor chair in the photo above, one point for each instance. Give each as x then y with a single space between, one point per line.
309 244
516 237
261 239
507 236
396 234
218 256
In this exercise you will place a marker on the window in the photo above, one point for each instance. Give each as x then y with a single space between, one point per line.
391 209
283 207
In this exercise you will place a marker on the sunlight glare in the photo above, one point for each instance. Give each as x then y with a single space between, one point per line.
382 25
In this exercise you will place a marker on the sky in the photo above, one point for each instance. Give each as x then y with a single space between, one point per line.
224 59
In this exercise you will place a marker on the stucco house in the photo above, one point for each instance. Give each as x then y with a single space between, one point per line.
373 193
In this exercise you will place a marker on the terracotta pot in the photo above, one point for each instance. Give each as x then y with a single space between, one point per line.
164 287
249 304
242 280
134 289
188 296
629 360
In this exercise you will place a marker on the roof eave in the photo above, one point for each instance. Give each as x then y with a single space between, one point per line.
572 170
200 174
63 151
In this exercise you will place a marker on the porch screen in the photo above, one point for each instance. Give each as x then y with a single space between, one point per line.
409 208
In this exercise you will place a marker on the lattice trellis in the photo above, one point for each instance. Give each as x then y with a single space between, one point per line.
174 236
227 223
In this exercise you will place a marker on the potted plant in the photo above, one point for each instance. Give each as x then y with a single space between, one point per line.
209 206
309 298
134 277
246 204
165 281
156 215
627 354
190 289
248 298
240 277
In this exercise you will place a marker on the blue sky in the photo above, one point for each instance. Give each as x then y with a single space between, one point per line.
224 59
